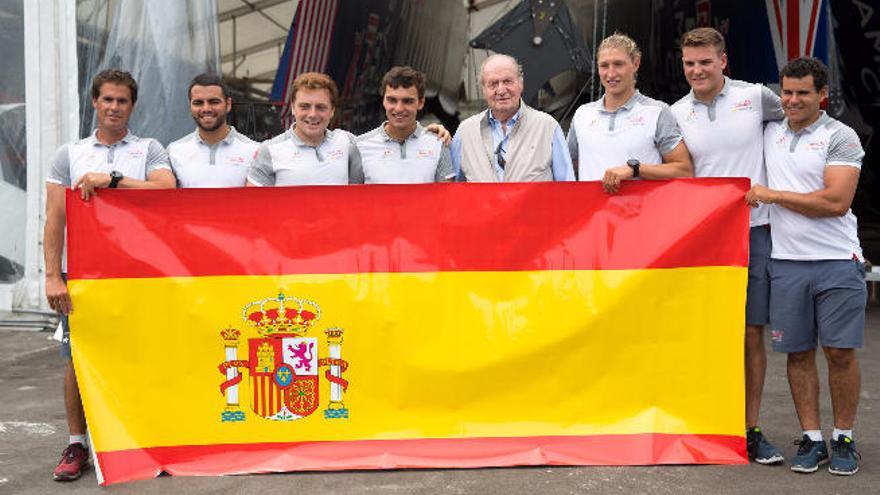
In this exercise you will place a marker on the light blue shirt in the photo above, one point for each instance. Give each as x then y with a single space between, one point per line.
562 167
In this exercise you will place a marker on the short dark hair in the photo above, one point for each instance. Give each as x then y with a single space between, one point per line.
208 80
405 76
704 36
802 67
114 76
313 81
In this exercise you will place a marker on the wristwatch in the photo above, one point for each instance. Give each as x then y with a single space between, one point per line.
634 164
115 177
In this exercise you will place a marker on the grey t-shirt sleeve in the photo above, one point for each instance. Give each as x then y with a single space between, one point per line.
844 148
572 142
667 135
59 169
445 170
355 164
771 105
157 158
261 172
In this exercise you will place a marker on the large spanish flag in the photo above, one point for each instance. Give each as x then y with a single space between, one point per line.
441 325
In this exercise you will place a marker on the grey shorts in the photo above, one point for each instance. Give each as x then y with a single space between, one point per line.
758 291
817 301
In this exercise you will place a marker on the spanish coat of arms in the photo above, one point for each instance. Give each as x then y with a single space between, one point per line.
283 363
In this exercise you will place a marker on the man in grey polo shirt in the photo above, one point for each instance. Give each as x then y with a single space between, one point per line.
509 141
215 154
817 273
400 150
308 153
111 157
722 121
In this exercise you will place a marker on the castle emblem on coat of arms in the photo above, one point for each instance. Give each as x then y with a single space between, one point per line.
282 362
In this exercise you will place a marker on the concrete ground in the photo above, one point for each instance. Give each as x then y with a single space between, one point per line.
33 431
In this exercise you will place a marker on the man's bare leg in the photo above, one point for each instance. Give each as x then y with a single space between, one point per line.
756 369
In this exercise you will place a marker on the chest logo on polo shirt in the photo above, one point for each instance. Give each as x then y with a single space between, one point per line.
691 116
386 152
335 154
136 153
743 105
636 120
237 160
429 153
282 361
816 145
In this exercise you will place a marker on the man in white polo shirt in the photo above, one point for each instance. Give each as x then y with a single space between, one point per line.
111 157
400 150
817 272
308 153
215 154
722 121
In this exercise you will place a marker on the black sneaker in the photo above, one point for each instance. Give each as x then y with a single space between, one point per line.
759 449
844 456
810 455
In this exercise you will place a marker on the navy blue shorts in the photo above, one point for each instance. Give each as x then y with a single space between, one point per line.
758 291
817 301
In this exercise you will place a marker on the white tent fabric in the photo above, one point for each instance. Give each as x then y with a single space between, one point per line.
51 108
163 43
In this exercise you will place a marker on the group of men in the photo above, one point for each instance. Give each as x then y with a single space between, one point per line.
806 273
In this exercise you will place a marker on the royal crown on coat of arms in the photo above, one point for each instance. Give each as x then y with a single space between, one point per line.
283 363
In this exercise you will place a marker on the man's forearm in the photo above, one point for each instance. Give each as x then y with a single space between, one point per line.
816 204
53 245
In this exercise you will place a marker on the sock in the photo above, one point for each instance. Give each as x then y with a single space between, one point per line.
83 439
814 435
838 432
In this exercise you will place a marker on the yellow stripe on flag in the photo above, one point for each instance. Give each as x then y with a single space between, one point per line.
515 353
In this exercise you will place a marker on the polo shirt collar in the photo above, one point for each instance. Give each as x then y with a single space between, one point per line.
823 118
628 105
721 93
299 142
230 136
416 134
128 138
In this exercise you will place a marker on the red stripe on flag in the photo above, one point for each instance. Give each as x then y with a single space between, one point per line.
599 450
309 36
328 35
793 21
414 228
777 10
255 385
811 29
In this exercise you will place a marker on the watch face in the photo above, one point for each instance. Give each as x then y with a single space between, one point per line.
632 162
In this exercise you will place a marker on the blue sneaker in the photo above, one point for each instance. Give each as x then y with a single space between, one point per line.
759 449
844 457
810 455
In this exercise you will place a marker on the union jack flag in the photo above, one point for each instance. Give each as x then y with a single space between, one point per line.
794 27
306 49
